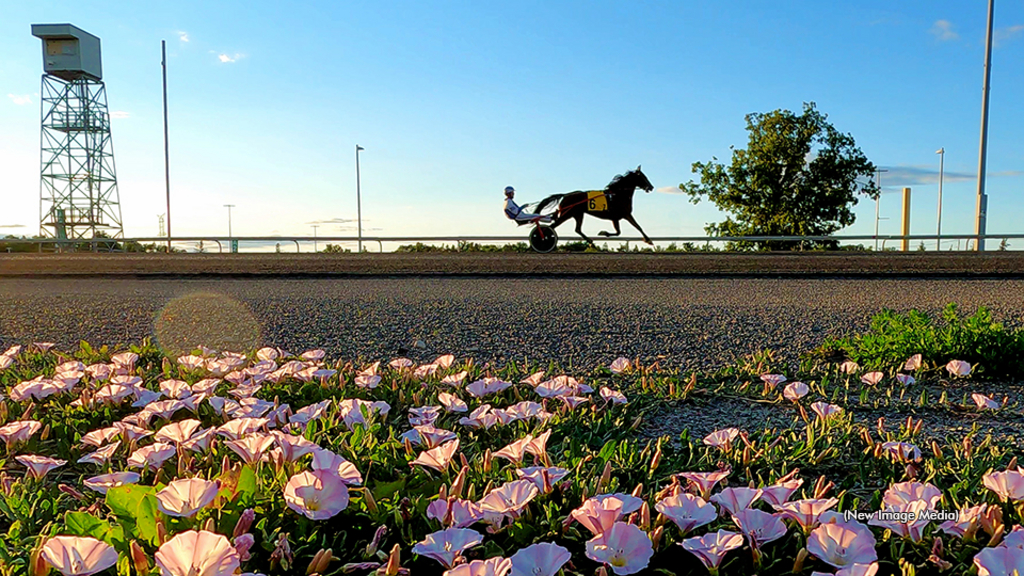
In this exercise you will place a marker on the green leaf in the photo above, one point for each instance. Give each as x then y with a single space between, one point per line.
246 490
607 451
85 524
136 505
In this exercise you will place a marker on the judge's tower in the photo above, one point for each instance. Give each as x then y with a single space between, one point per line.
78 195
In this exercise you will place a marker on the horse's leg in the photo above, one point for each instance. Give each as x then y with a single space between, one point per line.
563 215
617 231
629 218
579 227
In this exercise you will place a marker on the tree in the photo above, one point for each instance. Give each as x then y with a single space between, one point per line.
798 176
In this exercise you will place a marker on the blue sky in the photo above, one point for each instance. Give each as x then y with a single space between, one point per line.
455 100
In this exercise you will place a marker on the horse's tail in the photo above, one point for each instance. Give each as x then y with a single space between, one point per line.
548 201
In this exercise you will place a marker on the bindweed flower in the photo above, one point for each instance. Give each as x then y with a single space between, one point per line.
687 511
907 492
508 500
18 432
712 547
705 481
543 478
824 410
423 415
497 566
795 391
1009 484
872 378
243 543
437 458
38 465
958 368
759 527
236 429
455 380
620 365
912 363
185 497
177 432
912 529
543 559
533 379
773 380
351 411
734 500
104 482
966 517
613 396
486 386
849 367
251 448
78 556
984 402
452 403
293 446
101 456
905 379
337 464
779 493
152 456
805 512
429 436
1000 561
515 451
624 547
197 553
455 513
722 438
841 545
316 495
447 545
600 513
902 451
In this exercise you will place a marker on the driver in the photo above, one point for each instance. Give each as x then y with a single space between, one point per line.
514 212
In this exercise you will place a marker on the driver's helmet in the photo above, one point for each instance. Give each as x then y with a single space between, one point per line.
509 190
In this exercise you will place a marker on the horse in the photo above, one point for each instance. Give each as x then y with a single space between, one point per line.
613 203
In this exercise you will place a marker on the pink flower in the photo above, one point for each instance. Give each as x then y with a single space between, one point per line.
38 465
100 437
486 386
452 403
805 512
400 363
620 365
183 498
437 458
722 438
177 432
241 427
733 500
201 441
455 379
316 495
1000 561
19 431
687 511
447 545
515 451
705 481
959 526
773 380
481 417
912 527
543 478
104 482
958 368
251 448
491 567
795 391
613 396
599 513
331 462
841 545
912 363
906 492
532 380
624 547
152 456
905 379
351 411
101 456
849 367
902 451
984 402
1009 484
199 553
544 559
424 415
78 556
872 378
455 513
508 500
779 493
759 527
824 410
444 361
712 548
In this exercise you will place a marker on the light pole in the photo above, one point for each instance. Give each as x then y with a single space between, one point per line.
229 207
982 208
359 204
314 239
878 174
167 159
938 226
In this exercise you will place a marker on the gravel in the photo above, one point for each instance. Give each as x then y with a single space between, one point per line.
687 323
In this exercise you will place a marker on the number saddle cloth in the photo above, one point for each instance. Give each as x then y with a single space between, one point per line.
597 201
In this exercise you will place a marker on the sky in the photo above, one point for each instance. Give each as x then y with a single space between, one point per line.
454 100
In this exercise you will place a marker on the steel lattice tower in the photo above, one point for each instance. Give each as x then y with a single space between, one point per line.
78 197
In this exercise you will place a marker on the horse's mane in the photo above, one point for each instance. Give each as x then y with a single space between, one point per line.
618 181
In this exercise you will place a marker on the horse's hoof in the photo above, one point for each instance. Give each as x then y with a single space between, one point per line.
603 233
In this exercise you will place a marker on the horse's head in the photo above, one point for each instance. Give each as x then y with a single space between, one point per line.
641 180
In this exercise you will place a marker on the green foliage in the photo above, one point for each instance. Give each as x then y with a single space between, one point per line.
798 176
992 349
331 249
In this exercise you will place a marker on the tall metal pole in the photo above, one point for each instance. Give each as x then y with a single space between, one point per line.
359 204
314 239
938 226
167 162
982 207
878 174
229 207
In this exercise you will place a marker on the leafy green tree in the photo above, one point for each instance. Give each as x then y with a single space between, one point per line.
798 176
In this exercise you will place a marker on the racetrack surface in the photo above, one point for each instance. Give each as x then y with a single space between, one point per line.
788 264
688 323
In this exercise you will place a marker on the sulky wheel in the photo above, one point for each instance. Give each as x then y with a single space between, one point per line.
543 239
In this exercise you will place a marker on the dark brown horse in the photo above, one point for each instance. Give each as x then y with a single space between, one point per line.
613 203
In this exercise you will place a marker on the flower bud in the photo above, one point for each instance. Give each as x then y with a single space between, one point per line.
139 558
656 460
371 548
244 522
209 526
459 483
798 566
371 504
936 450
645 517
656 536
242 545
394 562
37 565
45 433
487 461
71 492
606 476
354 567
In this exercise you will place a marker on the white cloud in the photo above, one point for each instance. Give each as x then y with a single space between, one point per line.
669 190
1004 35
120 114
183 36
12 226
943 30
20 99
229 58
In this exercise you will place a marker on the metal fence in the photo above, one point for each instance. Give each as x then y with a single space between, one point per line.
197 242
